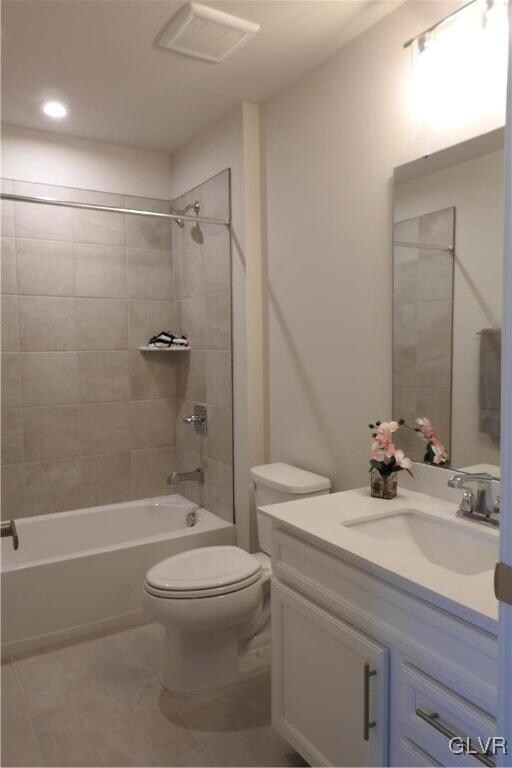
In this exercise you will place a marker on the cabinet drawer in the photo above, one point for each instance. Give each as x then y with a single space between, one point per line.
409 755
431 715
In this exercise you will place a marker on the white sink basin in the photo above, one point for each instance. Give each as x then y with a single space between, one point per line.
458 547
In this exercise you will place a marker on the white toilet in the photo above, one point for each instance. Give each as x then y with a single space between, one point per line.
214 602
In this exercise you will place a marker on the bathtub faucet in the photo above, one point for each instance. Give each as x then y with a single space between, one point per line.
175 478
8 528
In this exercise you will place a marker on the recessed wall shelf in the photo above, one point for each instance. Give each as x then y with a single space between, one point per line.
164 349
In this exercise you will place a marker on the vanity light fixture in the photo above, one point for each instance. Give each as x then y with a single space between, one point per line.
490 8
55 109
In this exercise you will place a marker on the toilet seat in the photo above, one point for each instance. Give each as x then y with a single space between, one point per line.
203 572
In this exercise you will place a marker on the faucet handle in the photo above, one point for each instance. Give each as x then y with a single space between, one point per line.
468 502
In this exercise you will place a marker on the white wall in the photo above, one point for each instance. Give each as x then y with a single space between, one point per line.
332 141
476 189
54 159
233 143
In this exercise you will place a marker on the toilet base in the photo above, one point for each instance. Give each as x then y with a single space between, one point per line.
198 661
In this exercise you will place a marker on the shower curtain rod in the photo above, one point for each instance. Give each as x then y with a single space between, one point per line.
112 209
425 246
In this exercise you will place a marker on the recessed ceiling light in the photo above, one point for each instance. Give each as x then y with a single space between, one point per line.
55 109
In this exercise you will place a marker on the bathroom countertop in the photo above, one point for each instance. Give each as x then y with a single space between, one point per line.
322 520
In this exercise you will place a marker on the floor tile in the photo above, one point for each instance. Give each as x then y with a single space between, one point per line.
19 745
99 703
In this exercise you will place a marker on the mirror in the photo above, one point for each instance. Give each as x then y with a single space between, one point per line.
447 285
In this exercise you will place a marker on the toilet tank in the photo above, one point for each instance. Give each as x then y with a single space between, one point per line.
275 483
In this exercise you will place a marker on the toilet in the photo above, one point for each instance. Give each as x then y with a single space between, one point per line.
214 602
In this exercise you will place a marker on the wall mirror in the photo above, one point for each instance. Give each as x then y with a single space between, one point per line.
448 212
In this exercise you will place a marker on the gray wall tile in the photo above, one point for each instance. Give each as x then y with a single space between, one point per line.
405 276
144 232
194 321
220 434
153 424
404 365
11 380
45 268
13 491
103 376
152 376
101 324
46 324
7 214
218 320
100 270
9 318
147 318
219 489
71 435
192 376
51 432
53 486
217 263
98 227
106 479
104 428
435 276
150 471
434 366
219 377
149 274
8 258
435 322
49 378
44 222
12 436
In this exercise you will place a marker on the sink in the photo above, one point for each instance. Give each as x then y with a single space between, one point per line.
453 545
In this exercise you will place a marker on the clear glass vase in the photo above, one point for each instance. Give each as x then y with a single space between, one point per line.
383 487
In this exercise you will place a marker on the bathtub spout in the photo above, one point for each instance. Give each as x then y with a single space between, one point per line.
175 478
8 528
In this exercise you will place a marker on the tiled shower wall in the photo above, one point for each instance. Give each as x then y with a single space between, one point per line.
87 419
422 325
202 284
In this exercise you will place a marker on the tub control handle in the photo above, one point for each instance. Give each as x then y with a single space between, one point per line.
8 528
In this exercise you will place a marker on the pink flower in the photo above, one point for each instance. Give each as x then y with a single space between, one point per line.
429 434
402 460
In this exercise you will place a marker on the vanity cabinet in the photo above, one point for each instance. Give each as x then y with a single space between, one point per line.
330 697
333 624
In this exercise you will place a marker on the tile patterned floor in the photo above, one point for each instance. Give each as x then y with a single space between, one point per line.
98 703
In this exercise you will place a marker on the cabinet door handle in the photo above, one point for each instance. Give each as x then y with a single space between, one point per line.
366 702
434 721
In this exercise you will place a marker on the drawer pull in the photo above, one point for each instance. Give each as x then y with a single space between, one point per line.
366 702
434 721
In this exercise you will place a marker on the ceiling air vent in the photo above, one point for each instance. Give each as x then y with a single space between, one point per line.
206 33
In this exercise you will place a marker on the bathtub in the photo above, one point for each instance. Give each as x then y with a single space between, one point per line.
79 573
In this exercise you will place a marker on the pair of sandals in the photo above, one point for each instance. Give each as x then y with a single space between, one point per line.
166 339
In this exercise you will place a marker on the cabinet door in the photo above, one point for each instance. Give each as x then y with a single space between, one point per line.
329 685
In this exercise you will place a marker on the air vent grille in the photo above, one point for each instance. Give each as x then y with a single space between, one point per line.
206 33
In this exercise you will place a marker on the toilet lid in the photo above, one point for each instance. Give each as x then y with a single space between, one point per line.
207 568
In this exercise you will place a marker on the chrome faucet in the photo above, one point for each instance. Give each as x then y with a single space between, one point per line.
8 528
477 502
175 478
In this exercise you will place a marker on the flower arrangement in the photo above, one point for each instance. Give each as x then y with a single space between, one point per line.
386 458
435 451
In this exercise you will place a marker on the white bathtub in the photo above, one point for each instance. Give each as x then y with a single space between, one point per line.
81 572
